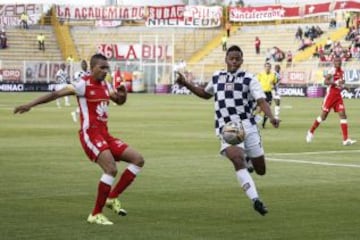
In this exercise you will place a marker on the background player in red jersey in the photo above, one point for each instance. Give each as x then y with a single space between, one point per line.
93 94
333 100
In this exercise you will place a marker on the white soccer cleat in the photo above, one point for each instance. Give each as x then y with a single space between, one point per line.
309 137
349 142
99 219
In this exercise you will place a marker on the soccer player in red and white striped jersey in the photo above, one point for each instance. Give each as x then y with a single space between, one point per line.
93 94
333 100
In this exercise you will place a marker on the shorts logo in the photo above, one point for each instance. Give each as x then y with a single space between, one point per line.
99 144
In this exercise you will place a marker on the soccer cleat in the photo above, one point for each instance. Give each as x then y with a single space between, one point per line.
115 205
260 207
309 137
99 219
349 142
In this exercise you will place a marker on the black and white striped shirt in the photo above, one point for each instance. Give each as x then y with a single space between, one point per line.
62 77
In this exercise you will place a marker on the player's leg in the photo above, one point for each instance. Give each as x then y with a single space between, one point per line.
316 124
122 152
277 106
344 126
255 151
136 162
106 161
269 100
75 113
236 155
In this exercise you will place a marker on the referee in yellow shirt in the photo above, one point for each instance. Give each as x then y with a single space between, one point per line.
267 80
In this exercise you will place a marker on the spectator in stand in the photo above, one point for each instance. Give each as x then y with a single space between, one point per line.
316 52
24 18
224 42
338 49
328 44
3 39
352 33
70 59
228 28
257 45
332 23
268 56
347 19
346 56
299 33
41 41
289 59
356 41
319 31
278 55
305 43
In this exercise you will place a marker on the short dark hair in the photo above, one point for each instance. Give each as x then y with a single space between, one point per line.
234 48
95 58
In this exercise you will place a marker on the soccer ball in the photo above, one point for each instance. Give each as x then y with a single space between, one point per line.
233 133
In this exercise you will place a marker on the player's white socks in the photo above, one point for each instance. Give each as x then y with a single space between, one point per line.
247 183
277 111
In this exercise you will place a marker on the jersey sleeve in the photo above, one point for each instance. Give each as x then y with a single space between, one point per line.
255 89
79 87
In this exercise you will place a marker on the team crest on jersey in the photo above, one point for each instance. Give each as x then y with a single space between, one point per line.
229 86
92 93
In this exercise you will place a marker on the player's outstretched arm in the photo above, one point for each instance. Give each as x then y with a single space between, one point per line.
198 91
120 95
44 99
264 106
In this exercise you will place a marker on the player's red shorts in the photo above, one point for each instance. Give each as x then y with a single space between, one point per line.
332 101
94 141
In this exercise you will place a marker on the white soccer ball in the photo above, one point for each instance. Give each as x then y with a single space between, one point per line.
233 133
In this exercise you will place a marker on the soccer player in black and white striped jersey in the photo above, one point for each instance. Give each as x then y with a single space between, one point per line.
235 93
62 79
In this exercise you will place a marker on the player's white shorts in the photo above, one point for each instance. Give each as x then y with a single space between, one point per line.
276 94
252 144
60 86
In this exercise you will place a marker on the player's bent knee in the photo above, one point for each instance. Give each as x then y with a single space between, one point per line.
260 171
111 171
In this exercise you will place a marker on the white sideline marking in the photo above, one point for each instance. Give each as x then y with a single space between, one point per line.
314 153
313 162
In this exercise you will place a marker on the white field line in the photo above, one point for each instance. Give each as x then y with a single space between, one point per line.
313 153
312 162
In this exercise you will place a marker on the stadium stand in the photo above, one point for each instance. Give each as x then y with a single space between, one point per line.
22 44
186 41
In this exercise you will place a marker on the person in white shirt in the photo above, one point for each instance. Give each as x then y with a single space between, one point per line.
62 78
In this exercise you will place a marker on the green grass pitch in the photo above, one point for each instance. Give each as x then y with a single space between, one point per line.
186 190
